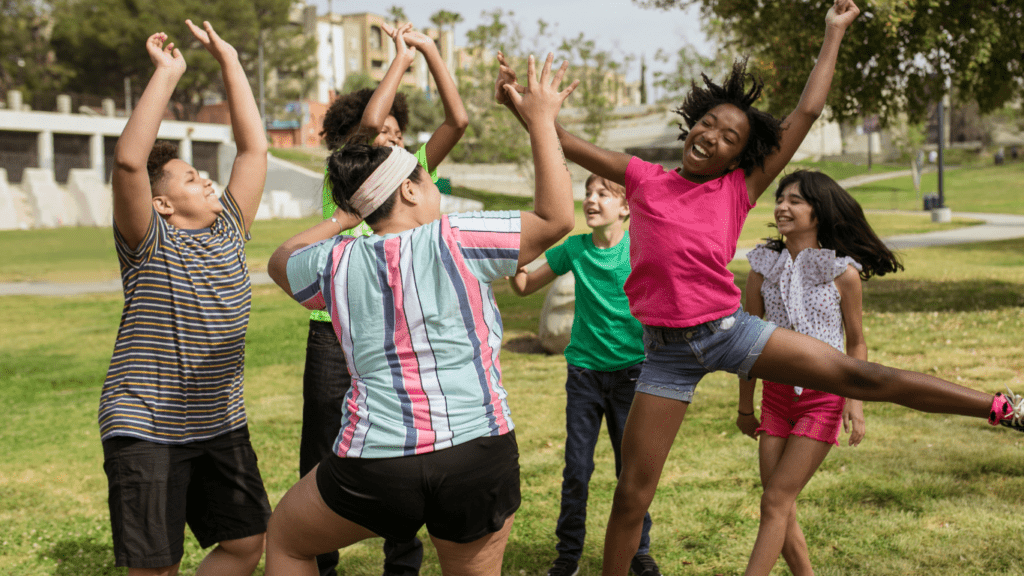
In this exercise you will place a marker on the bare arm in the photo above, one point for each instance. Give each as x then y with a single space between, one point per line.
456 120
525 283
605 163
746 421
249 171
133 200
812 100
553 214
379 106
851 304
277 266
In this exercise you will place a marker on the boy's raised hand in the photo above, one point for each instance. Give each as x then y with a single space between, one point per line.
213 43
506 75
418 40
167 57
541 100
842 14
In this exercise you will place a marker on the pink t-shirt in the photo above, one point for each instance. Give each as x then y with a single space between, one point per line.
683 236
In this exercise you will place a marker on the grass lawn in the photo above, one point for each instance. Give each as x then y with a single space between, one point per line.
922 495
80 254
995 189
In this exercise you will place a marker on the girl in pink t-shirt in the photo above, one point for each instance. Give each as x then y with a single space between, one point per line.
685 226
810 283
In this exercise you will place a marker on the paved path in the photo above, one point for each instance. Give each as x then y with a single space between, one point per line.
996 227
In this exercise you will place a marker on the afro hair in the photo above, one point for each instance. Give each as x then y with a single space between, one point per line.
765 129
344 114
162 153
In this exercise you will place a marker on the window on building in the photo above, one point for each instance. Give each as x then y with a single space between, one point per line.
376 38
377 64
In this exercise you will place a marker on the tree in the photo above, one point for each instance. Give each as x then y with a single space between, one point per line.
26 60
397 14
103 41
445 19
899 56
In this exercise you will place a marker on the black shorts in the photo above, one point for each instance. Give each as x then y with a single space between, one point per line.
155 489
461 493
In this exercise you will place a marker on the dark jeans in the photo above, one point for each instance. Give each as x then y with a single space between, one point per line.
590 396
325 382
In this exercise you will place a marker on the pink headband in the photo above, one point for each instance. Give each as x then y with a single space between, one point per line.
383 182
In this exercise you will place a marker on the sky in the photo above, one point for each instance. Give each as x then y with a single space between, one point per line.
619 26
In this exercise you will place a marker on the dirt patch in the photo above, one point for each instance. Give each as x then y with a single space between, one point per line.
528 344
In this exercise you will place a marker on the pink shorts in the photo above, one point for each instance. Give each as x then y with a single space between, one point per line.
816 415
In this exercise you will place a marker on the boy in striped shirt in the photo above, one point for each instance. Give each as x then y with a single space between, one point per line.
172 420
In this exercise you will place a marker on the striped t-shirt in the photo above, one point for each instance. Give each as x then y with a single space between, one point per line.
420 329
176 371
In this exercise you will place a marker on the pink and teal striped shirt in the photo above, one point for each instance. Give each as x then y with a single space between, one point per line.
417 320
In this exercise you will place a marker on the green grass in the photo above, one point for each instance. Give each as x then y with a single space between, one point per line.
72 254
922 495
995 189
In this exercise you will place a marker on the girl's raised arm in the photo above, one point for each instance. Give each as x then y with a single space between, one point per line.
553 214
379 106
605 163
812 100
456 120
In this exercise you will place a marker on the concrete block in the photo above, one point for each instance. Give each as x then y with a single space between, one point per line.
93 198
557 315
51 206
282 205
8 204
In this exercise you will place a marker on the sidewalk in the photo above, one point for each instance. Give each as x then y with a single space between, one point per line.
996 227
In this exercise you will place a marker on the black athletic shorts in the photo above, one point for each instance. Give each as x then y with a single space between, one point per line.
155 489
461 493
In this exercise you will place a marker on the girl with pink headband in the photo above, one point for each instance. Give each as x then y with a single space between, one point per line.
426 436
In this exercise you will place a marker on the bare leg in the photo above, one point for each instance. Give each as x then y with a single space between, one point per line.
787 464
478 558
233 557
303 526
651 429
800 360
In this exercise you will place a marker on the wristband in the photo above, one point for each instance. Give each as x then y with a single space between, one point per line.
751 413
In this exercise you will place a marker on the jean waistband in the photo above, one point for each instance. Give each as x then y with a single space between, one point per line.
664 334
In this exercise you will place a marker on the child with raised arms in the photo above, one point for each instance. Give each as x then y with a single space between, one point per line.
376 116
686 223
426 436
806 280
603 360
172 419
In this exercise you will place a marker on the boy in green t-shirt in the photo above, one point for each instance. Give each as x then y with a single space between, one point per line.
604 357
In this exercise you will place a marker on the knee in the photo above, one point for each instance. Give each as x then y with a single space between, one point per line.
247 550
776 503
869 378
632 498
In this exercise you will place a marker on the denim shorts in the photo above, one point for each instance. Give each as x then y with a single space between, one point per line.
677 358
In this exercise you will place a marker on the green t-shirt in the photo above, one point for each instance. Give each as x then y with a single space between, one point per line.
362 229
605 336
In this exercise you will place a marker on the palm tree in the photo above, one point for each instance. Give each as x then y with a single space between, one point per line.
397 14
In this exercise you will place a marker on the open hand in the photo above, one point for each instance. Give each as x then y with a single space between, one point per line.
506 75
842 14
213 43
165 56
541 100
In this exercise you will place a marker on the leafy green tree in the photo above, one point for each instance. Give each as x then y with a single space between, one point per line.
899 56
103 42
397 14
26 60
444 19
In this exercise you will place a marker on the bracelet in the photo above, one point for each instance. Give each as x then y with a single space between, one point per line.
751 413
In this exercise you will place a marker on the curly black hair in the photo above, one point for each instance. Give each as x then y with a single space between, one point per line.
841 224
348 167
765 129
344 114
162 153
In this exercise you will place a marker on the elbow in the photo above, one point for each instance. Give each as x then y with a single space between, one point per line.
277 269
460 121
